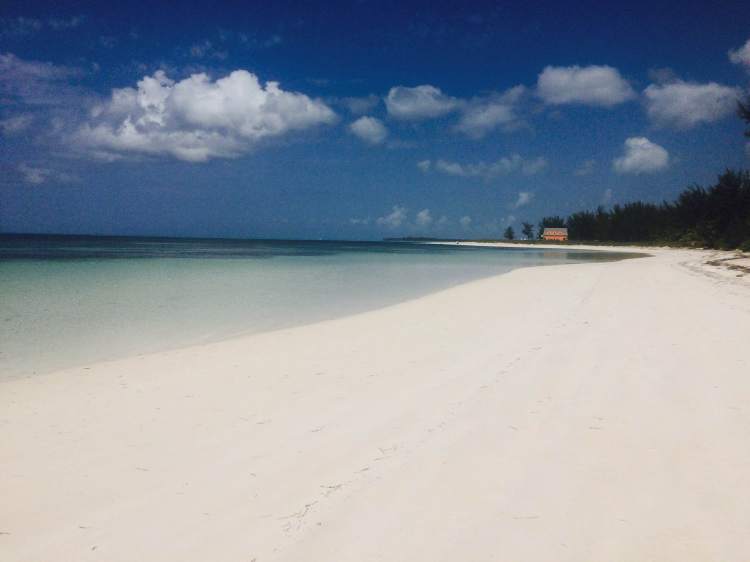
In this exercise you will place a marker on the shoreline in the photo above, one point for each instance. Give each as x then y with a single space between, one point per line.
172 336
566 402
722 263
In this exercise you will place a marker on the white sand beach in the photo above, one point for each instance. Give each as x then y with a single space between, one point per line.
588 412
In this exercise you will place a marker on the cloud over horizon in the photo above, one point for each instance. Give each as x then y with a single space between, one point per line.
424 218
394 219
197 118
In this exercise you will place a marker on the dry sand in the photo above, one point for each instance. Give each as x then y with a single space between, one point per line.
596 412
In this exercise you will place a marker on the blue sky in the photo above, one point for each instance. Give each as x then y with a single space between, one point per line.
359 120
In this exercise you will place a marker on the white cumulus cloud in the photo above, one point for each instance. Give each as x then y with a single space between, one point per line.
197 118
424 165
420 102
590 85
686 104
369 129
483 115
465 221
641 156
741 55
394 219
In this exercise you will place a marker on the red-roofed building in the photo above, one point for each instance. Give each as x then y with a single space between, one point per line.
559 234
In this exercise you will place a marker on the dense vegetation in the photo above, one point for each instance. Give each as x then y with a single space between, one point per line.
716 217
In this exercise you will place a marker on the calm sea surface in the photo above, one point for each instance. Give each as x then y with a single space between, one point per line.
67 301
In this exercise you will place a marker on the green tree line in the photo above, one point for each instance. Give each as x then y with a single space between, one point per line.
714 217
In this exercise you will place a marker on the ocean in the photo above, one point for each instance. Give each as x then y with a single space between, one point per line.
67 301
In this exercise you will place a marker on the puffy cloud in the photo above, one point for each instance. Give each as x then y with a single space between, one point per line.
424 165
489 170
465 221
197 118
483 115
420 102
685 104
641 156
524 198
394 219
359 105
479 116
741 55
15 124
585 168
369 129
591 85
424 218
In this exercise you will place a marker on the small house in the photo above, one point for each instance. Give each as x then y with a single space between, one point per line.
559 234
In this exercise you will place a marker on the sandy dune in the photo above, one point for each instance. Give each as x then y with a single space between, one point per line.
596 412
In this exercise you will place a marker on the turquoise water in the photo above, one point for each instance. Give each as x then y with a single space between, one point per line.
73 301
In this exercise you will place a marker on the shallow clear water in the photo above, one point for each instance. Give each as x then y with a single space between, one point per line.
71 301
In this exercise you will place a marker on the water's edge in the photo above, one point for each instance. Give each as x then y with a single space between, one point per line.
87 301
